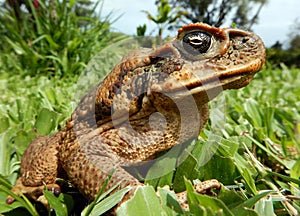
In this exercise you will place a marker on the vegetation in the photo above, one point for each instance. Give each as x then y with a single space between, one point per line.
166 18
290 54
217 12
50 38
257 148
253 151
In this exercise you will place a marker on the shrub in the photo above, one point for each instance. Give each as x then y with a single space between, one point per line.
50 37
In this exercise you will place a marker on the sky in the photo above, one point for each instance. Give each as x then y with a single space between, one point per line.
276 19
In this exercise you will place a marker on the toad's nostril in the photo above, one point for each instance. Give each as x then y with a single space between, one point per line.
245 40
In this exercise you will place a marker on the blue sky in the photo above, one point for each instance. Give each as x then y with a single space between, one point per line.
275 21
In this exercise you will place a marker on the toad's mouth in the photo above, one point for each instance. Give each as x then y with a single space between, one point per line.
212 87
211 82
229 82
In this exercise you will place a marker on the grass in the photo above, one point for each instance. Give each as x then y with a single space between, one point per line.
55 38
257 150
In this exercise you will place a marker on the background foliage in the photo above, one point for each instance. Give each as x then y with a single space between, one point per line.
289 53
52 37
215 12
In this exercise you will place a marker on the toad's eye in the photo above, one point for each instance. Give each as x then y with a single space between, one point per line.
196 42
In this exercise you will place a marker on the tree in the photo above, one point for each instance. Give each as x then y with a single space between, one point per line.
216 12
289 54
294 35
165 18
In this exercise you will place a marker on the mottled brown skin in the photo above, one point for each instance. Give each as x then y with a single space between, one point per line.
110 127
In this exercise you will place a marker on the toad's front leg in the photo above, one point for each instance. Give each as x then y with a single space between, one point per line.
39 167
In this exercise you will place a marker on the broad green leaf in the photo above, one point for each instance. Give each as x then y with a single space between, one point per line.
101 194
55 58
229 147
46 121
55 202
20 109
109 202
4 124
220 168
241 163
187 168
249 181
265 207
51 95
52 43
71 3
244 208
169 199
4 154
295 171
200 210
22 140
161 172
210 204
253 111
191 161
16 46
161 168
144 202
231 198
13 115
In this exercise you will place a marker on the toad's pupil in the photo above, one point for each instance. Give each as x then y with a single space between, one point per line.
197 42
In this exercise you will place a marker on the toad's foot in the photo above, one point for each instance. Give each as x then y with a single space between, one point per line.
35 193
204 187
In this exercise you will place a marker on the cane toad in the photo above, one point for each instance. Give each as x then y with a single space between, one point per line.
152 100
